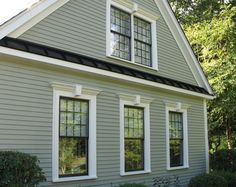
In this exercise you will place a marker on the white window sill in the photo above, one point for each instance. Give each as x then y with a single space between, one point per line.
133 63
177 168
77 178
135 173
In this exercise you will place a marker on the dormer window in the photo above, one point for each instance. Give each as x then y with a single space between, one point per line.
131 35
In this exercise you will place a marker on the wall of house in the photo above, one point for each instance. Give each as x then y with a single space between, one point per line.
26 99
80 26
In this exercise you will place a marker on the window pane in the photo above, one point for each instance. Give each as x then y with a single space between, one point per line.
120 34
142 53
72 157
134 122
120 46
176 138
73 115
120 21
134 152
134 138
143 42
73 137
142 30
176 152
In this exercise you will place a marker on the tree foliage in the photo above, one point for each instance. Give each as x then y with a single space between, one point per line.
211 31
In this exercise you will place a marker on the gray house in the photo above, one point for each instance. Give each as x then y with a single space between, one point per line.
103 92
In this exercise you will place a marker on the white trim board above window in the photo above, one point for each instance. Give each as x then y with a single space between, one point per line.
78 105
176 135
131 34
134 130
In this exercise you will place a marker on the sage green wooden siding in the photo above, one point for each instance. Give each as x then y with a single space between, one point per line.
80 26
26 100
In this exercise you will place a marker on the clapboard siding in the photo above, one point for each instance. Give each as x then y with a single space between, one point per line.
80 26
26 122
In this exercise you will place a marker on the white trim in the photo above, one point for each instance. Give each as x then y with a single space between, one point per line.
133 10
21 19
42 59
183 43
185 136
206 135
126 99
67 90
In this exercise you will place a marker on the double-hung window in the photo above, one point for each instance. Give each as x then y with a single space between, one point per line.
73 137
134 136
177 139
74 132
131 36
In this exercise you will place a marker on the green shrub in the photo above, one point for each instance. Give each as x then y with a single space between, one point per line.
19 169
228 176
133 185
224 160
208 180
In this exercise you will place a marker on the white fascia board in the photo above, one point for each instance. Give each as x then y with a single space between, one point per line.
29 18
183 44
62 63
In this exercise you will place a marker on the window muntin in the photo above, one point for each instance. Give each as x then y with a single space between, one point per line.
73 137
130 37
134 138
142 41
176 139
120 34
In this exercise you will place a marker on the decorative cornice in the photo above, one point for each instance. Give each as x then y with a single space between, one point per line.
74 88
136 99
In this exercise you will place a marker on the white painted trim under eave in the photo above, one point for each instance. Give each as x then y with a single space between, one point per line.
183 44
62 63
206 135
29 18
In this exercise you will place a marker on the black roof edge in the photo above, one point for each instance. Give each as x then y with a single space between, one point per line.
60 54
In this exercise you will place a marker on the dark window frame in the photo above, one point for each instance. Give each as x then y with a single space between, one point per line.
86 138
143 42
173 161
120 34
142 139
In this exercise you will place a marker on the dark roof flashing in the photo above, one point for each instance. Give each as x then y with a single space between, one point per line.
47 51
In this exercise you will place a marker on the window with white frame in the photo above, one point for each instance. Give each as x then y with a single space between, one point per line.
74 132
177 137
131 35
134 135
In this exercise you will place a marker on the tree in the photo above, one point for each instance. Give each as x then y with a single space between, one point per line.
212 36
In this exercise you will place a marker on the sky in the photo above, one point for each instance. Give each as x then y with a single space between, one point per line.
10 8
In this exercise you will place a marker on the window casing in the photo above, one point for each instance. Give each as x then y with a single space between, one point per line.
176 138
134 136
74 132
131 36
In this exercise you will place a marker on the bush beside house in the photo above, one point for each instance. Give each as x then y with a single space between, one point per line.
19 169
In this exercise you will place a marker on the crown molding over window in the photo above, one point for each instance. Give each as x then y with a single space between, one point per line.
176 105
135 99
75 88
